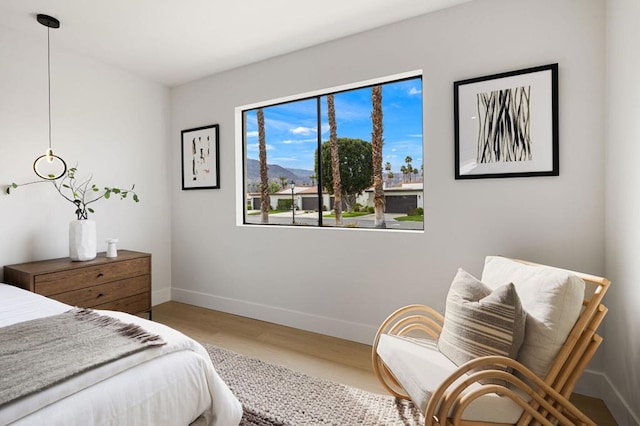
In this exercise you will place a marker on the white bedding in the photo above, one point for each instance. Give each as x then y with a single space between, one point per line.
168 385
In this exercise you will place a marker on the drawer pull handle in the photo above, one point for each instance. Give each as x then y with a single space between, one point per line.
100 274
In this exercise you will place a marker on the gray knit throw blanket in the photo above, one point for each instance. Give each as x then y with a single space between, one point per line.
37 354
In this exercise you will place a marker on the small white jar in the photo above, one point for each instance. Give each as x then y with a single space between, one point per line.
112 250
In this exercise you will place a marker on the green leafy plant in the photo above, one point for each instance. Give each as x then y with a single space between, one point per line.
418 211
79 193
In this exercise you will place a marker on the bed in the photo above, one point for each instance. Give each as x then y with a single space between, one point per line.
172 384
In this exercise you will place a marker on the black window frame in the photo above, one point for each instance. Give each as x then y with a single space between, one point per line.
318 96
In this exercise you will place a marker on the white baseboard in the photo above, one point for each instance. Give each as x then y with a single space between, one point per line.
598 385
591 383
356 332
160 296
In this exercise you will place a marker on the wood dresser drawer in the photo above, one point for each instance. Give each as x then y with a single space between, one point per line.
63 281
122 283
134 304
90 297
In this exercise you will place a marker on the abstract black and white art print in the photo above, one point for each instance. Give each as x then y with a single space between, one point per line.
200 158
506 125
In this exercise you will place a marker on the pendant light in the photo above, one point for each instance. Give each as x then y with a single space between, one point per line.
49 166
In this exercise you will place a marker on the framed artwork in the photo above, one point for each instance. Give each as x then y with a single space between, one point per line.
201 158
506 125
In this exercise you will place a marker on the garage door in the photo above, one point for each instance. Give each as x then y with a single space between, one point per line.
309 203
400 203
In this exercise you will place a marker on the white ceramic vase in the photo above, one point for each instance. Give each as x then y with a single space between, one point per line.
82 240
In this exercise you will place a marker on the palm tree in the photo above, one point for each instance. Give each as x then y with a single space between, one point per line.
335 160
387 168
283 181
403 169
409 168
376 156
264 179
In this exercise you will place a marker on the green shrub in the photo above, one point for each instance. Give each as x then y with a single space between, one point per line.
370 209
284 204
419 211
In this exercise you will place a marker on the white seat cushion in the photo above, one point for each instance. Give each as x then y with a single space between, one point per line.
552 299
420 368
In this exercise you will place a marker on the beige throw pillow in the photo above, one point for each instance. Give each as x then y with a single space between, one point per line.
480 322
552 299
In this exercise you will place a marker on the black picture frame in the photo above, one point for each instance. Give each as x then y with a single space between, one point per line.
201 157
506 125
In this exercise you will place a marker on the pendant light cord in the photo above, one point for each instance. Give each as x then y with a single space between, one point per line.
49 79
49 156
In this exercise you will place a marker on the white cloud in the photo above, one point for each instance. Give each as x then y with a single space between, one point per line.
253 134
254 147
271 124
393 150
417 135
302 130
283 159
298 141
414 91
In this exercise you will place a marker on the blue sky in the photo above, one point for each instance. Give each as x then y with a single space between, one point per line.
291 129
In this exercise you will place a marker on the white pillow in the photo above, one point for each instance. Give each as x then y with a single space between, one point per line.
552 299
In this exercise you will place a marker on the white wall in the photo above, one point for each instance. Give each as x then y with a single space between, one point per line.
112 124
115 126
281 274
622 343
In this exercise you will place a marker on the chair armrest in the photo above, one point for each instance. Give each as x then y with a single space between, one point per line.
411 319
553 404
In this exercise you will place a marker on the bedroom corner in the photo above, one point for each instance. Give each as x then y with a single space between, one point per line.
110 124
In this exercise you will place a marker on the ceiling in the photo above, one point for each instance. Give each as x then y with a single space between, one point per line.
176 41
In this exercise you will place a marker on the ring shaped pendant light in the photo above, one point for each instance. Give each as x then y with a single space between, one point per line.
49 157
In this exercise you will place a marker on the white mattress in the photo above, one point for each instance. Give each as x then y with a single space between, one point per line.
169 385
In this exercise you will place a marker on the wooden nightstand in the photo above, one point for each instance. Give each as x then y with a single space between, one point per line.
122 283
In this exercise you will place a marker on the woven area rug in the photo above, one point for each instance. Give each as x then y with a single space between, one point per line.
275 395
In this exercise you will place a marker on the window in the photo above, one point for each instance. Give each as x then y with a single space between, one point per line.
370 134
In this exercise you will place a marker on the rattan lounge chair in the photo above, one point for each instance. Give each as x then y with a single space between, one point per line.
409 365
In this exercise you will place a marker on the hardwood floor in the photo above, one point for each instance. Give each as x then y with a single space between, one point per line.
317 355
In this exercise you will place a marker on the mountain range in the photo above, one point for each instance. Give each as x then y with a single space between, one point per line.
275 172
